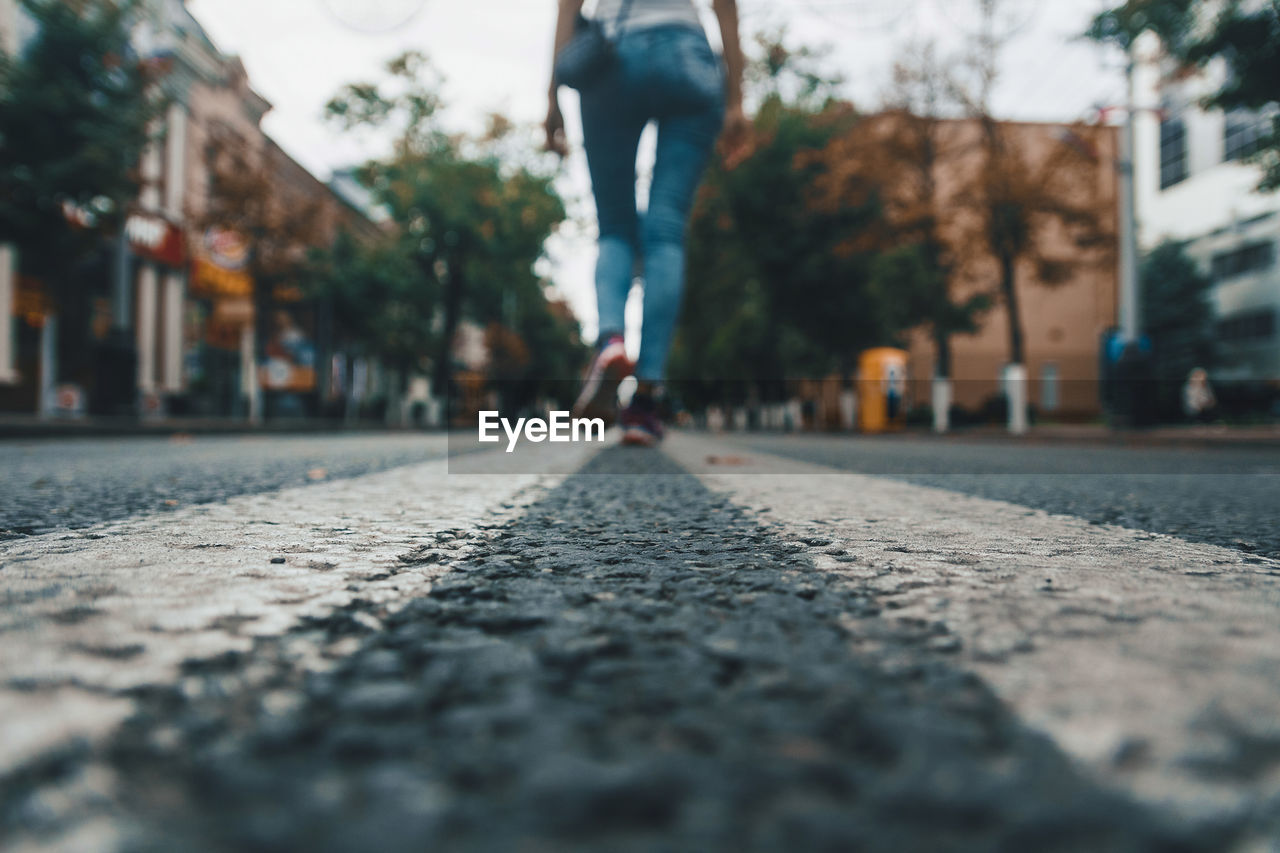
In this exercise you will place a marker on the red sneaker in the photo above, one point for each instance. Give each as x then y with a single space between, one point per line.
599 397
641 422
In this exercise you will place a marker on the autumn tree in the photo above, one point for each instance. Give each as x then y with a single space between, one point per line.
1037 211
898 157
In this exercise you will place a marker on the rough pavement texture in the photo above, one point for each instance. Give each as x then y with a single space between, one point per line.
71 484
88 616
1152 660
1225 496
633 665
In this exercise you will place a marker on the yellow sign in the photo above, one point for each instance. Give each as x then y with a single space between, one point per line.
210 279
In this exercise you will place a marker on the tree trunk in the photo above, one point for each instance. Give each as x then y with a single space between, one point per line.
942 342
454 288
263 303
1008 286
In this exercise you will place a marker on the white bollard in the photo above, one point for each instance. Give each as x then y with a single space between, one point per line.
1016 388
795 416
941 401
849 409
715 419
8 319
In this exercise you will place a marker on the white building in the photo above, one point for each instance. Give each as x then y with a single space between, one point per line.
1193 186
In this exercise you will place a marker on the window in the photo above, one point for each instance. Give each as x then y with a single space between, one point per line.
1253 326
1173 152
1243 134
1242 260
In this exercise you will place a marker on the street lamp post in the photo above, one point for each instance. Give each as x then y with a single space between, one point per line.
1129 305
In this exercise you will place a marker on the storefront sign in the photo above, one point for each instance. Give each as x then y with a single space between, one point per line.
226 248
155 239
210 279
279 375
226 322
291 357
220 268
30 302
68 401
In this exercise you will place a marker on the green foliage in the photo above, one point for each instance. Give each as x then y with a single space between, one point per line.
1244 35
911 284
1178 318
799 76
1172 20
383 306
470 222
74 112
776 291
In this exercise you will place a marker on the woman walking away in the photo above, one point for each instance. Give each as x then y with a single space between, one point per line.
660 68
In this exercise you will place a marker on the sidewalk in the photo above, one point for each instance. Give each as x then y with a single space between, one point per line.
1189 436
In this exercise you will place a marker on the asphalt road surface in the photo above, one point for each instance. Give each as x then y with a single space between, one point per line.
1224 496
634 665
59 484
683 649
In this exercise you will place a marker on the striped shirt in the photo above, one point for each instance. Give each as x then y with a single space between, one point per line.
647 13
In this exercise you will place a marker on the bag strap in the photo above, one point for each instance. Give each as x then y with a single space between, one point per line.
620 22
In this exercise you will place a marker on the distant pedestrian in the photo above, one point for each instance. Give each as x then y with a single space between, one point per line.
1198 400
664 71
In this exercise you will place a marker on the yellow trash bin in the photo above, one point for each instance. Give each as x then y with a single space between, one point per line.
882 390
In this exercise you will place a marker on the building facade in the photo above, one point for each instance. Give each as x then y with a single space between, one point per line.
185 289
1063 320
1195 186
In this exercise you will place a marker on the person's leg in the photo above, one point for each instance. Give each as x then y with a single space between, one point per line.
611 136
685 144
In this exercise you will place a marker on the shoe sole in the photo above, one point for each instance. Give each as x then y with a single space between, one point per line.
599 398
635 437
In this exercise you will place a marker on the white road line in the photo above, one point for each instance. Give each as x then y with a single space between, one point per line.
1149 659
89 614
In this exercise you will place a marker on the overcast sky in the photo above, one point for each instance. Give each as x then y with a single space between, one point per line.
495 55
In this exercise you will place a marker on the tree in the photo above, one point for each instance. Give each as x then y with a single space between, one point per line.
1178 319
781 286
1246 36
1024 202
898 157
249 196
75 110
381 305
472 222
75 107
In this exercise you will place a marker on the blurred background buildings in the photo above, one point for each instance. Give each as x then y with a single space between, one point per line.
237 285
1196 187
205 337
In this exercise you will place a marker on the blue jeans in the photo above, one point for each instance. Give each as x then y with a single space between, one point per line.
669 75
